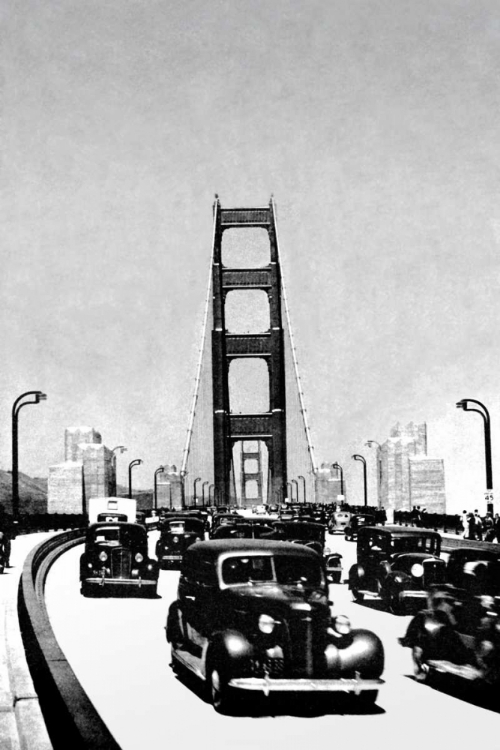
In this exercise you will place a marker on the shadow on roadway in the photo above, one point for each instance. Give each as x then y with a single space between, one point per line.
302 705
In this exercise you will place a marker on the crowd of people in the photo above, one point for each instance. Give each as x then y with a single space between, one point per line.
481 528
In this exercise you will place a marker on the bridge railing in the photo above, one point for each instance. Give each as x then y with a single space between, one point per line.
70 717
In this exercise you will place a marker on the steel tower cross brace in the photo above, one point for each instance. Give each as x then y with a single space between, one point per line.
268 427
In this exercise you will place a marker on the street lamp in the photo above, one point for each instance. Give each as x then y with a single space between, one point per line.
370 444
294 481
159 470
136 462
357 457
464 404
183 473
203 492
122 449
289 490
211 494
304 488
339 468
195 499
16 408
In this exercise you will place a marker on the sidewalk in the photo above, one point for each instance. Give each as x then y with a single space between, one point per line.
21 723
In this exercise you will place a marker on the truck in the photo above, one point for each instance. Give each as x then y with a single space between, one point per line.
102 509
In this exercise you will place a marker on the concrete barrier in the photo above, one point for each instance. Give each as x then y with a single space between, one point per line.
70 717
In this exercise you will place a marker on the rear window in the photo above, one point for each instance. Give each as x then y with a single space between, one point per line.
283 569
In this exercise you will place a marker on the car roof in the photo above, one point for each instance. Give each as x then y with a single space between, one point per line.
395 530
215 547
120 524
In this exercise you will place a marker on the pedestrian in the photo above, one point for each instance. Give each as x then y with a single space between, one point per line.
471 526
478 526
489 528
465 524
496 526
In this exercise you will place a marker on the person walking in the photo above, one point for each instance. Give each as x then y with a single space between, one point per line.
465 524
478 526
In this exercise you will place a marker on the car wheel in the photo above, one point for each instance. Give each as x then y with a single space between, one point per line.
396 606
366 699
86 591
357 595
221 695
173 629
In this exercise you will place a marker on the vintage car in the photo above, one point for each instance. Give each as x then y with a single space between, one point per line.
355 522
398 564
455 644
116 560
254 615
225 519
475 570
247 529
338 521
301 532
177 534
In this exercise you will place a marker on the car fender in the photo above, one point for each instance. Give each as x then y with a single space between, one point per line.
362 651
356 576
228 648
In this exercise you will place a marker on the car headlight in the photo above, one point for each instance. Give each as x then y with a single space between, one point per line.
342 624
266 624
328 551
139 557
103 556
175 539
417 570
198 539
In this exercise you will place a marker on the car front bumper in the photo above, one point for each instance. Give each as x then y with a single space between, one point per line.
268 685
121 582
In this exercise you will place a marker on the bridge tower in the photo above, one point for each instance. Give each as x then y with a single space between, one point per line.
268 427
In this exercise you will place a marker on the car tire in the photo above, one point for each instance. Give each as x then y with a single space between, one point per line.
173 630
366 699
396 606
221 695
357 595
85 590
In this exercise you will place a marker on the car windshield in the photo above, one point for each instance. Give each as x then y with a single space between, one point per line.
115 535
284 569
428 544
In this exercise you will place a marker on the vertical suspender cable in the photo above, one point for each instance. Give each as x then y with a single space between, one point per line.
294 358
202 347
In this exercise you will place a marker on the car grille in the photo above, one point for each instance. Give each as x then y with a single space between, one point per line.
269 667
121 560
307 637
434 572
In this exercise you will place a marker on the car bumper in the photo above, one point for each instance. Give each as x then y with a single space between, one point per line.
410 594
306 685
121 582
171 558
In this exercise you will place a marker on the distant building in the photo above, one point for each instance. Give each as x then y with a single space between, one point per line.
328 485
408 477
88 470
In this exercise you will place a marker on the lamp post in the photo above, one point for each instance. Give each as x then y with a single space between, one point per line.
122 449
339 468
159 470
136 462
289 490
183 473
211 494
195 499
464 404
357 457
16 408
203 492
370 444
294 481
304 486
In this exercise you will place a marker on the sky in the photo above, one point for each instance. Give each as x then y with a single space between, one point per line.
374 124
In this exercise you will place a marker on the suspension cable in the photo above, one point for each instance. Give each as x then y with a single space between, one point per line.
294 357
202 348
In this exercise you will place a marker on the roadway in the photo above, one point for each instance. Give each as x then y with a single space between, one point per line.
118 651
